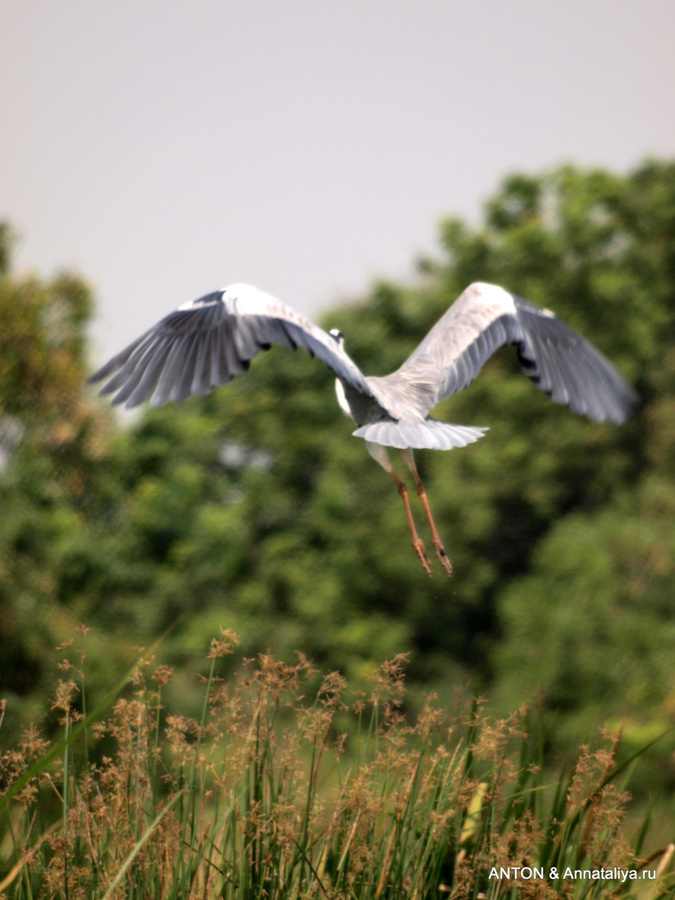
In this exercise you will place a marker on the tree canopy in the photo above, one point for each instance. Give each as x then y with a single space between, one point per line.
253 508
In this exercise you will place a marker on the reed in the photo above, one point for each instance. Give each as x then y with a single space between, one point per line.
288 785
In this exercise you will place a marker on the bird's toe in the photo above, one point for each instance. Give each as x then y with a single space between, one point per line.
443 557
421 551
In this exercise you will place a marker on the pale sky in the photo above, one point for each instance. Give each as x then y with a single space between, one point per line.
166 149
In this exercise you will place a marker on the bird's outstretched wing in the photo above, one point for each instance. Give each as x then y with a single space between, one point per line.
483 319
206 343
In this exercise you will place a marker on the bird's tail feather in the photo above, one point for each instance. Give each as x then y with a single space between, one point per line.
429 433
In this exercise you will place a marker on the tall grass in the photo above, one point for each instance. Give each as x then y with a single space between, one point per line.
288 786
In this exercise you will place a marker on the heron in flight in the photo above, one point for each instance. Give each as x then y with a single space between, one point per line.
205 343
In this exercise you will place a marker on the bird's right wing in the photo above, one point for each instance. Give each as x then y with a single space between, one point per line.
206 343
483 319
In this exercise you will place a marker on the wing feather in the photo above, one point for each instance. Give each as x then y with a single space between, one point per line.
206 343
483 319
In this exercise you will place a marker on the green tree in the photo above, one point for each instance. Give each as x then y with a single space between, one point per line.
50 437
591 623
253 508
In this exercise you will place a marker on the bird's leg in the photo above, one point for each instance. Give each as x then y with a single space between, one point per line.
417 541
409 460
380 455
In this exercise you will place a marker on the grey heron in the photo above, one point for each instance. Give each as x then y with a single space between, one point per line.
207 342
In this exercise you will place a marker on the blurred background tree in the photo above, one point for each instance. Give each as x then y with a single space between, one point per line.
51 435
253 508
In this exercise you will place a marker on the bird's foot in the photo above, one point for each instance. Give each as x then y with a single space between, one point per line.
421 551
443 557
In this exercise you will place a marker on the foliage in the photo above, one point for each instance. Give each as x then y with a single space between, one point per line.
254 504
265 795
52 438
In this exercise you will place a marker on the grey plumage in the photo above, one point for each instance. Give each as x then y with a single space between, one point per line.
483 319
204 344
208 342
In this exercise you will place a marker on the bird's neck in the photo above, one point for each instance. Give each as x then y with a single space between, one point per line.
342 399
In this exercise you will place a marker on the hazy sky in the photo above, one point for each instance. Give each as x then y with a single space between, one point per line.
165 149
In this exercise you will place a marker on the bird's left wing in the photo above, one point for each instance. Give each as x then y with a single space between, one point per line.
206 343
483 319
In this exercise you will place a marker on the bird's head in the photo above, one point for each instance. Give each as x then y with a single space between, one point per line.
338 337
